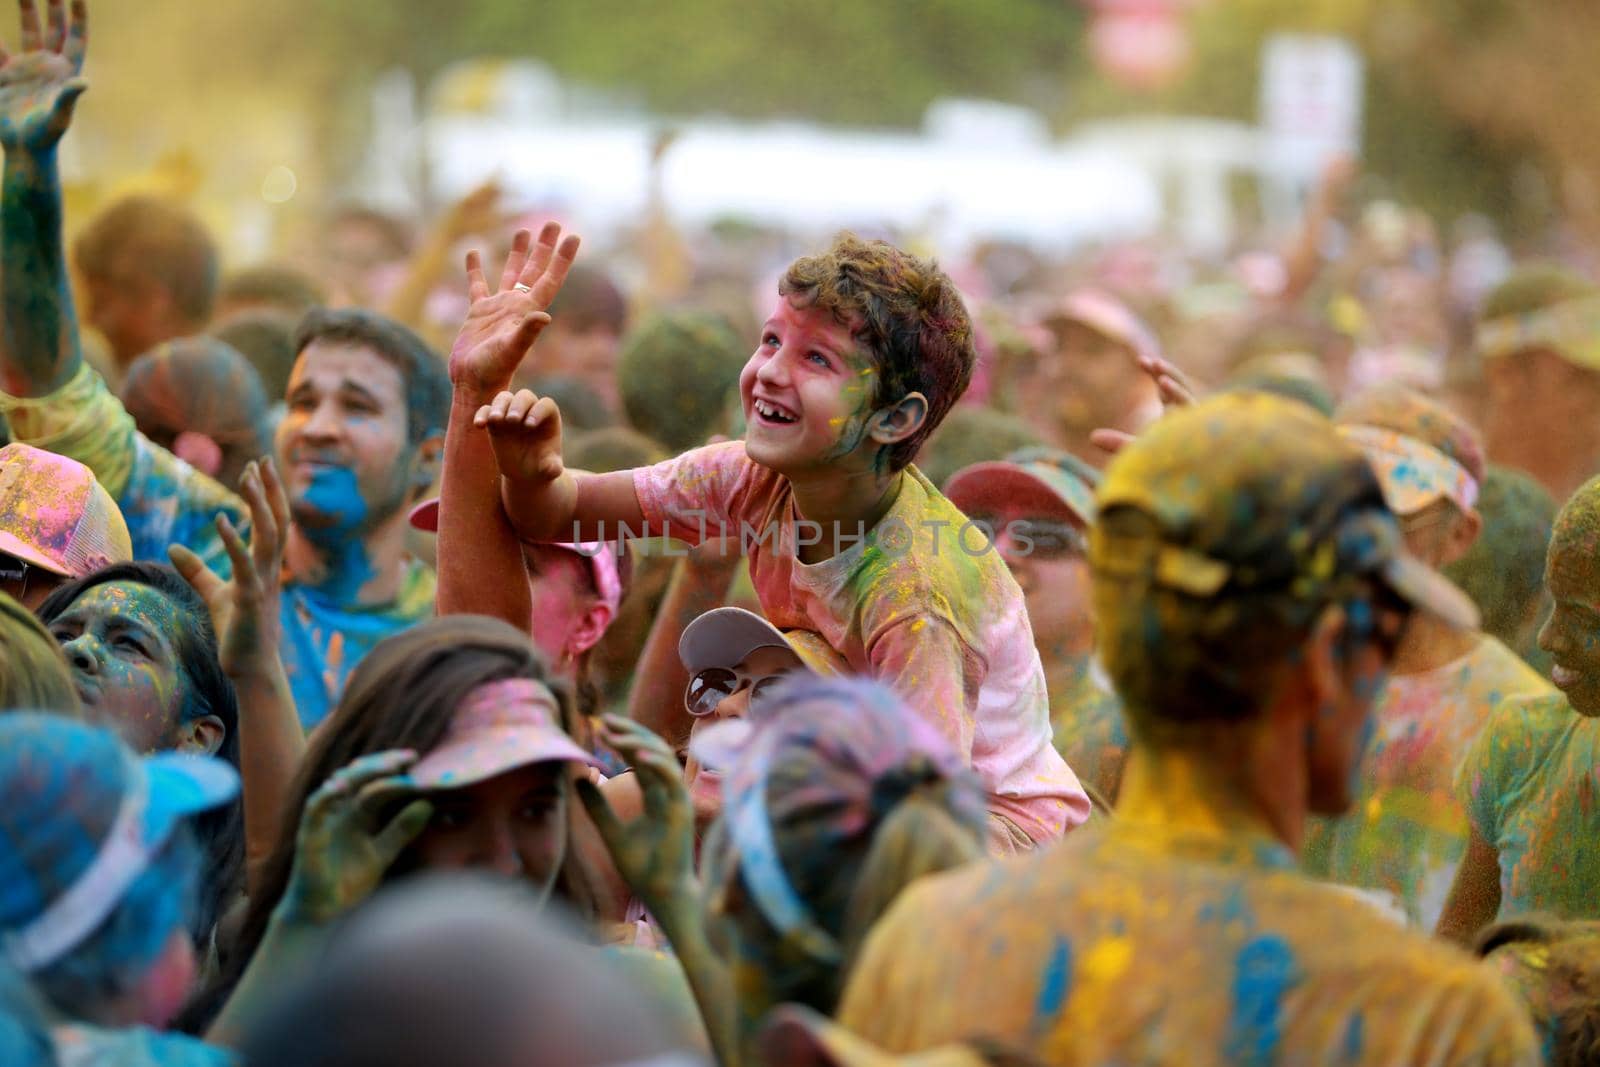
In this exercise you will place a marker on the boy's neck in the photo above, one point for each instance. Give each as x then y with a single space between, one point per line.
843 505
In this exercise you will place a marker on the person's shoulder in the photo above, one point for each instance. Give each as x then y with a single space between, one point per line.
932 560
1407 989
1528 723
162 471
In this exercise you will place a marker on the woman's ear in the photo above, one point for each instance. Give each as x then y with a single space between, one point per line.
201 737
590 627
891 425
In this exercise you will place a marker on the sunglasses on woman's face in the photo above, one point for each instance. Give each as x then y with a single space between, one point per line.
712 685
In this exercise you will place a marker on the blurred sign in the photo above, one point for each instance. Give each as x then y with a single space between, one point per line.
1142 44
1310 102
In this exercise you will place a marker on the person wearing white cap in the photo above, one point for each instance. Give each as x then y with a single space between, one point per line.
735 658
1407 833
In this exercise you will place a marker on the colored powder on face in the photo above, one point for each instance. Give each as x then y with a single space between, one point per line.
334 492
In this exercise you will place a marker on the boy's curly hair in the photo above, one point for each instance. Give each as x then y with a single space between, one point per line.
907 314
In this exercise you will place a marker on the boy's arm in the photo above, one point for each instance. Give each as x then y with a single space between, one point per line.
542 498
39 88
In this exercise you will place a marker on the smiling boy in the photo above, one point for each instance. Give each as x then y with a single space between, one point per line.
865 352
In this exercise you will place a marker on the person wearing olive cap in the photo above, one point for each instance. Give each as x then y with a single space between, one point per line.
1250 588
1406 833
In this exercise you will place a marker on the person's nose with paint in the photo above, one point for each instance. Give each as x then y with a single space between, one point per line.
734 658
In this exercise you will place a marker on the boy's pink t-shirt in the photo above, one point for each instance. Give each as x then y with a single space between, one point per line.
913 603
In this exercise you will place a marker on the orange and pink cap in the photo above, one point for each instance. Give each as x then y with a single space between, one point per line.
56 516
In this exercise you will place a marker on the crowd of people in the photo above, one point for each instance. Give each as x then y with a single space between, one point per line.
1127 660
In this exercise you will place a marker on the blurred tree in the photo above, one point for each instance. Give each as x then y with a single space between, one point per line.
1460 92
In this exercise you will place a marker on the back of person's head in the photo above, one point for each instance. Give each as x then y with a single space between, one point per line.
158 240
908 316
454 971
422 370
33 672
1553 966
837 799
99 875
266 339
1503 572
973 434
675 371
270 287
201 399
1225 531
582 409
612 448
590 300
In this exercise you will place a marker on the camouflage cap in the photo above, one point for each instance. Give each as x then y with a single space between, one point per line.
1253 493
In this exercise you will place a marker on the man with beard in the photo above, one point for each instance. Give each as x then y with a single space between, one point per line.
360 443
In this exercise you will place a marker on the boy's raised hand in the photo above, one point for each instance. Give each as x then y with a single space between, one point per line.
525 431
503 323
40 85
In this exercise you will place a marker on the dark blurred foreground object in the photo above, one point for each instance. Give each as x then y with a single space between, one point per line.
456 971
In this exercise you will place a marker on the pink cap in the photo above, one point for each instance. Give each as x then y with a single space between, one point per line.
602 555
499 727
56 516
1107 316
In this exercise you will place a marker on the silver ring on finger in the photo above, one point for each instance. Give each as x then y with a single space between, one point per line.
519 287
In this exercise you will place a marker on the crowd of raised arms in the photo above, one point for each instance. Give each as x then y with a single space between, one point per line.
786 659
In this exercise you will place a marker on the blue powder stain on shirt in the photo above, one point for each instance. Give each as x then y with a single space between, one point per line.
1264 972
1354 1038
1056 985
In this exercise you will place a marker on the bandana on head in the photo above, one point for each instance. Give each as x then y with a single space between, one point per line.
1571 329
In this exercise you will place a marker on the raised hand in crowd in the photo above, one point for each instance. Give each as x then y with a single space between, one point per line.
245 616
654 853
39 88
1175 389
41 83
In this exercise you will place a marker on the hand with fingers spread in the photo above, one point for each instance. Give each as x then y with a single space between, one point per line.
244 610
345 845
503 323
655 852
40 85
